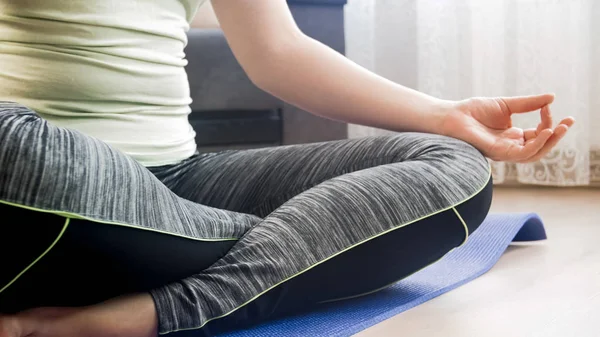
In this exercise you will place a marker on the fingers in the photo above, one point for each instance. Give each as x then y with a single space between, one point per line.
546 123
559 132
569 121
546 117
519 104
530 134
531 148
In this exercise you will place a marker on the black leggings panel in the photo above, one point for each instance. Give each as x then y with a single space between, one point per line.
223 240
93 262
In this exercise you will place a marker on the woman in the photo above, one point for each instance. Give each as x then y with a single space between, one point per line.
118 228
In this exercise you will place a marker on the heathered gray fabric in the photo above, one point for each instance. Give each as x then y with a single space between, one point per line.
308 202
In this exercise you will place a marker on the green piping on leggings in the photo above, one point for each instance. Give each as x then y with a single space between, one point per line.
464 225
62 232
81 217
338 253
391 284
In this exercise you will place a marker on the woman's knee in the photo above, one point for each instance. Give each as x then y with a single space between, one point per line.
32 156
21 129
14 109
16 121
472 171
455 173
460 160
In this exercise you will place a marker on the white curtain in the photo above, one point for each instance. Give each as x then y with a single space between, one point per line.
456 49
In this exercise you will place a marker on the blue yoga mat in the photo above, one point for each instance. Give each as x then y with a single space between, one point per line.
477 256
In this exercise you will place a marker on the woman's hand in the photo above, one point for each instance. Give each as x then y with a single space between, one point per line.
486 124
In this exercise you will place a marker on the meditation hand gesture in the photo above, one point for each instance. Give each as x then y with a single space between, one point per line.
486 124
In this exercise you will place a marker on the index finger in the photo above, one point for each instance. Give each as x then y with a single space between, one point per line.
546 119
519 104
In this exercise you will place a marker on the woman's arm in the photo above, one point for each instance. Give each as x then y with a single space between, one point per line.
283 61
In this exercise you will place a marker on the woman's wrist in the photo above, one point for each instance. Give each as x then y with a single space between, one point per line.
448 117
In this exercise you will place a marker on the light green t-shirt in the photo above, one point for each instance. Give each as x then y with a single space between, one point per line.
112 69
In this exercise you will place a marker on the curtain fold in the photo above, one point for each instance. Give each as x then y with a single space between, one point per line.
455 49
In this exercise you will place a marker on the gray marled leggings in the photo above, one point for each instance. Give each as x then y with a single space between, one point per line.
226 239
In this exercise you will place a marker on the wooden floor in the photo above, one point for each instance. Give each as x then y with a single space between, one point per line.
550 289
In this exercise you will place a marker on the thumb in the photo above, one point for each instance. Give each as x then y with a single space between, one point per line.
520 104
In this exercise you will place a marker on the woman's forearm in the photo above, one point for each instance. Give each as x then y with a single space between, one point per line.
317 79
280 59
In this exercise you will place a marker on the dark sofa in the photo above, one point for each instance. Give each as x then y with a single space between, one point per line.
228 111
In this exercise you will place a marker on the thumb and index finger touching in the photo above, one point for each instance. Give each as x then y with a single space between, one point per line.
547 137
524 104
